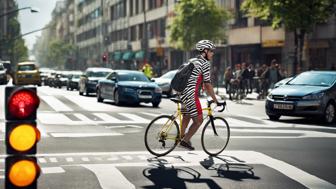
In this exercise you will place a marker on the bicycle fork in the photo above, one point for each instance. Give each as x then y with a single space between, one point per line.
213 124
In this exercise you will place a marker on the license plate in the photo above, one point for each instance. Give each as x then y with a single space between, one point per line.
283 106
29 76
145 96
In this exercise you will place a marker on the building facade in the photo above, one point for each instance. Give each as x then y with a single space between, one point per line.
126 33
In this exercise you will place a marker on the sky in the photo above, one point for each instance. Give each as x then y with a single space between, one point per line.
34 21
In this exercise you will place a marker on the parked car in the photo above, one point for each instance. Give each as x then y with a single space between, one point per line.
89 80
3 75
311 93
164 82
125 86
73 80
27 73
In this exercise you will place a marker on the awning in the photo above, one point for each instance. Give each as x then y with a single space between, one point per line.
117 56
140 55
128 55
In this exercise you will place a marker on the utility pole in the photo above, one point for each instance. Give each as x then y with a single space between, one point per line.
145 33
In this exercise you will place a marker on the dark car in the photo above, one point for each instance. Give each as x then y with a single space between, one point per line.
89 80
3 75
129 87
73 80
164 82
61 79
309 94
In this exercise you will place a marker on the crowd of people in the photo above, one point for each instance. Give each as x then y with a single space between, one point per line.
244 79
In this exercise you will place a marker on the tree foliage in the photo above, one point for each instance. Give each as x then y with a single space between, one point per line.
297 16
12 43
58 52
196 20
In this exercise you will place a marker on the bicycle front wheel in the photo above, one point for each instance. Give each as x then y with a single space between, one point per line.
162 135
215 137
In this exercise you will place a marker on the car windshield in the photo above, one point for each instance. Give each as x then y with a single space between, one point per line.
132 77
314 79
97 74
169 75
26 67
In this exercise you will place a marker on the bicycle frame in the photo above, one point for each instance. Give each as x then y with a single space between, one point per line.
178 114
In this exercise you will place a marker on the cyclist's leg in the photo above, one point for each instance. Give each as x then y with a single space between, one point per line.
185 122
197 117
197 122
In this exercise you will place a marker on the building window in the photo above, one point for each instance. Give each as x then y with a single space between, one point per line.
140 34
118 10
133 33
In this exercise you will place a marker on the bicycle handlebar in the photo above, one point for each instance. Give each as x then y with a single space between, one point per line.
220 103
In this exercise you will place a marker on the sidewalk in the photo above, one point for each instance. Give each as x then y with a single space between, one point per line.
222 93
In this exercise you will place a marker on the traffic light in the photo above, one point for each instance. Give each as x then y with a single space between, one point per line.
22 170
104 57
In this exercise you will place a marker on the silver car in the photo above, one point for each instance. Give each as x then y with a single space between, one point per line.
164 82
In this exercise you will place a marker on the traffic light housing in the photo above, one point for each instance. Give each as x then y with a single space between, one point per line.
104 58
22 135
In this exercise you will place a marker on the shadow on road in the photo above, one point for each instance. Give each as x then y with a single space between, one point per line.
237 170
164 175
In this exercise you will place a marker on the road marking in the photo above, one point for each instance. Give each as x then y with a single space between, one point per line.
42 160
53 160
113 158
127 157
300 133
107 117
56 104
48 170
85 119
186 158
74 135
151 114
142 157
135 118
123 126
89 104
54 118
85 159
105 172
69 159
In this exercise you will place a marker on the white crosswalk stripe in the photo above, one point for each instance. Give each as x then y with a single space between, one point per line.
56 104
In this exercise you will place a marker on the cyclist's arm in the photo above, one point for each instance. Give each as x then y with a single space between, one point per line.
209 89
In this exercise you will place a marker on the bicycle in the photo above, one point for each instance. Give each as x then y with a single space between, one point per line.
163 133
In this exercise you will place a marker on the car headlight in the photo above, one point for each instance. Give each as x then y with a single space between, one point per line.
163 84
128 90
158 90
270 96
315 96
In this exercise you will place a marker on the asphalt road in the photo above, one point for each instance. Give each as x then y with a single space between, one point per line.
86 144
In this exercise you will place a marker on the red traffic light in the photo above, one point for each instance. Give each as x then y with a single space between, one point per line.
104 58
22 103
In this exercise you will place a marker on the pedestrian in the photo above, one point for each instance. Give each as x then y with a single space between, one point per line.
251 75
228 76
272 75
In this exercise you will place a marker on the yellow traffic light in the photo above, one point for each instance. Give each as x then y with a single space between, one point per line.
23 173
23 137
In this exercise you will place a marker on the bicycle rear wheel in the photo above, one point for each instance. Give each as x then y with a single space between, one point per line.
215 139
162 135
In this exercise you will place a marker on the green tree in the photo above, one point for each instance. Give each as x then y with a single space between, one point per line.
13 44
297 16
58 52
196 20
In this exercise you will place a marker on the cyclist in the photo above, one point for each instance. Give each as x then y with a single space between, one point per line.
190 102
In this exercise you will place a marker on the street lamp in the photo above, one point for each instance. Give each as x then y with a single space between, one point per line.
32 10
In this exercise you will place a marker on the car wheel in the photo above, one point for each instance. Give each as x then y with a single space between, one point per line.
116 98
99 98
274 117
156 104
329 113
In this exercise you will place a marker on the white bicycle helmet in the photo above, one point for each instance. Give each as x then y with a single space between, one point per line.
205 44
